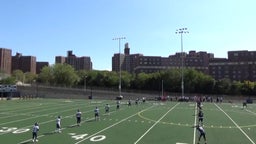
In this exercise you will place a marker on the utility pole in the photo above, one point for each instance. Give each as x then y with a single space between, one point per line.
120 83
182 31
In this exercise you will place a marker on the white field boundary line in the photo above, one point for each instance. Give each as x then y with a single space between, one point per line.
21 108
38 116
251 112
194 138
113 125
14 113
45 121
52 120
31 113
156 123
235 124
28 140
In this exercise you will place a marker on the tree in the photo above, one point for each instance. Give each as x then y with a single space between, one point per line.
18 74
140 81
29 77
64 74
222 86
8 80
46 75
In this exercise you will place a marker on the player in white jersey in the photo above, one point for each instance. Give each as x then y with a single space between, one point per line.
96 113
58 125
35 130
117 104
200 117
202 133
107 107
78 117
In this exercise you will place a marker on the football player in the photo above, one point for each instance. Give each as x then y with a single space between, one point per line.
58 125
35 130
96 113
78 117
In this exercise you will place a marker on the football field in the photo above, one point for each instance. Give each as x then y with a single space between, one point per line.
151 122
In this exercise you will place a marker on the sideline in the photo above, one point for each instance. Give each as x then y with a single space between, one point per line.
156 123
235 124
194 139
251 112
113 125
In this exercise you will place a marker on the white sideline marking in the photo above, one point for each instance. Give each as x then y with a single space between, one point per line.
250 112
156 123
235 124
111 126
194 139
181 143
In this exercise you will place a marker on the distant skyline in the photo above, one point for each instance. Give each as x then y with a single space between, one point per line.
49 28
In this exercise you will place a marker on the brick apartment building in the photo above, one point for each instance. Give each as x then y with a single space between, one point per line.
79 63
137 63
239 66
24 63
5 60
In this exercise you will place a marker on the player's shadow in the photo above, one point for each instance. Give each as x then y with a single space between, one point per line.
26 142
72 126
49 133
91 120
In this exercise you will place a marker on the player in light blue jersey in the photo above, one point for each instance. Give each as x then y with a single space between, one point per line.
35 130
202 133
107 107
78 117
58 125
96 113
200 117
117 104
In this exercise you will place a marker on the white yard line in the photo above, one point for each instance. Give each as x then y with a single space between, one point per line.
112 125
194 138
235 124
251 112
156 123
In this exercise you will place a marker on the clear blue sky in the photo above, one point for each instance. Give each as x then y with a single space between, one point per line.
49 28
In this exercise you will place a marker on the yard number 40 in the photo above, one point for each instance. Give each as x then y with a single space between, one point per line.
93 139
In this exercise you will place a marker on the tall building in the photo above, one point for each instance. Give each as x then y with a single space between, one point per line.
79 63
24 63
138 63
239 66
5 60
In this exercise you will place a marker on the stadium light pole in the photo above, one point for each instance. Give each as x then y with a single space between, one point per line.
120 83
182 31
